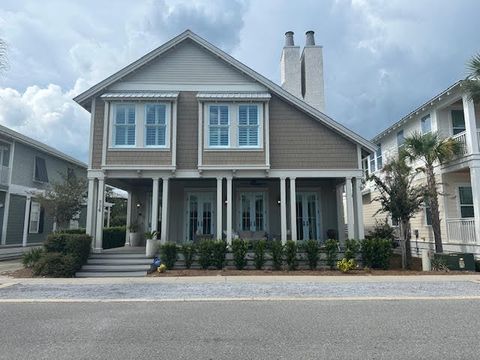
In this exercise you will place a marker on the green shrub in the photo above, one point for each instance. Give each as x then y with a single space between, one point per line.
168 254
30 258
276 250
188 251
73 231
114 237
376 253
79 247
259 248
352 247
218 254
204 250
312 249
55 264
331 251
291 254
345 265
239 250
381 230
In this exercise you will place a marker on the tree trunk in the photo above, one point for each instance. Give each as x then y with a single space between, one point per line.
433 201
407 248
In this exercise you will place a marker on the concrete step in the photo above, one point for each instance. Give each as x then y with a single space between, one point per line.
82 274
118 261
118 256
114 268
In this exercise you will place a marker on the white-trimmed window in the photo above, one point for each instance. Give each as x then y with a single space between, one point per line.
156 125
458 122
426 124
378 154
34 218
372 163
400 139
466 201
218 126
427 211
124 125
248 126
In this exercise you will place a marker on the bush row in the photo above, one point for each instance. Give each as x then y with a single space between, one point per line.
113 237
375 253
62 255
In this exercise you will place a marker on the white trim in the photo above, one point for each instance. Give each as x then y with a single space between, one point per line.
200 132
165 210
229 209
110 130
100 215
155 195
350 209
105 131
168 121
129 217
207 126
90 207
266 108
326 120
174 133
293 209
283 210
26 221
234 96
30 229
219 227
6 210
92 122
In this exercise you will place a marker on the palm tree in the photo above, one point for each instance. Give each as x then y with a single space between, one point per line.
399 197
472 83
431 151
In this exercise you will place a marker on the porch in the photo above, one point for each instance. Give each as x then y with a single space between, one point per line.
184 209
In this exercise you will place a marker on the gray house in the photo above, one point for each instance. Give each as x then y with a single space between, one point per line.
207 147
27 167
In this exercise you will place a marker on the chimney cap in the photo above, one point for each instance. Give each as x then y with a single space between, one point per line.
289 39
310 38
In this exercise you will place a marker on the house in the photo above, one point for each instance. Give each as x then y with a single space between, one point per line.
452 114
206 147
27 167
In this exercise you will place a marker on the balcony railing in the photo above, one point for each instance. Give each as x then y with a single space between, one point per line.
462 139
4 175
461 231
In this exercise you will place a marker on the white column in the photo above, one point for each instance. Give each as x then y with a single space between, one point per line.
100 215
475 182
219 208
470 125
6 207
109 211
90 207
359 222
283 210
229 210
164 235
155 204
340 213
350 213
129 217
293 209
26 220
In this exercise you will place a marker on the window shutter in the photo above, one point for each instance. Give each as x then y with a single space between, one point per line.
41 220
40 169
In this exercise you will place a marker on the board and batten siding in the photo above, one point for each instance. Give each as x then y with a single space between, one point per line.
297 141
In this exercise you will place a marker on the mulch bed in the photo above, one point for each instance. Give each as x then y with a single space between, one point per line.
20 273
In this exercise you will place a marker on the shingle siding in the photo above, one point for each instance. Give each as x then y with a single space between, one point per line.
187 130
298 141
234 157
139 157
98 133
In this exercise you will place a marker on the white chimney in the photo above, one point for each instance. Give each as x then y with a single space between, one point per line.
312 73
290 66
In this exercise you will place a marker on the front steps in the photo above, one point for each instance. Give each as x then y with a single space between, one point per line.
122 264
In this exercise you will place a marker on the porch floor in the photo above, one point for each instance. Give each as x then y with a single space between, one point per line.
126 249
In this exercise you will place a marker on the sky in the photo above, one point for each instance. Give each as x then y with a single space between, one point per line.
382 59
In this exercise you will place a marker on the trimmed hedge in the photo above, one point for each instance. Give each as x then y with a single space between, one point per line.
64 255
376 253
114 237
73 231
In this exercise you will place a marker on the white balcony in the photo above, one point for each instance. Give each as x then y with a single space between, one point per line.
462 139
461 231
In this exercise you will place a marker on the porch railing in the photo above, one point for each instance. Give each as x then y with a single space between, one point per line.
461 231
462 139
4 175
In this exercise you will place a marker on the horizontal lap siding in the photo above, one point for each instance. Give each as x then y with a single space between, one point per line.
187 130
139 157
234 157
98 134
297 141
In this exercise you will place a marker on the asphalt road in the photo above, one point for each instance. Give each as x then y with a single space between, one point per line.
320 329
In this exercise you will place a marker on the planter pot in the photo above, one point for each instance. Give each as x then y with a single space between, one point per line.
135 239
152 247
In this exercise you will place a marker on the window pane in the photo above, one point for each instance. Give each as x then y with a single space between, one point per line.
466 197
224 136
400 138
131 135
120 133
131 115
214 136
151 136
242 115
150 114
161 136
458 119
253 136
242 136
224 115
120 115
252 115
213 115
161 114
426 124
467 211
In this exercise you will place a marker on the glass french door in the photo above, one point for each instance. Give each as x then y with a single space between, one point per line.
200 216
252 211
308 216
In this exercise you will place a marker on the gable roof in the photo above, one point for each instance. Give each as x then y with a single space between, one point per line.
9 133
83 98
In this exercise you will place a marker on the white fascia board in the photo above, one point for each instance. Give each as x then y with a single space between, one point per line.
325 119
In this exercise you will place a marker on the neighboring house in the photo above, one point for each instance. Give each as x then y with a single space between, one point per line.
27 167
451 114
207 147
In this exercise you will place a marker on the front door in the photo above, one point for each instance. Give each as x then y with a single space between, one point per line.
200 216
308 216
253 213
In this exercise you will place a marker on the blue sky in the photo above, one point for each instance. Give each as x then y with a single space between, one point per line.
382 58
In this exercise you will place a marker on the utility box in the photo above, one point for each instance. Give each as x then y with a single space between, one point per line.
458 261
